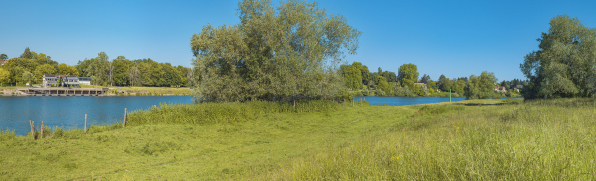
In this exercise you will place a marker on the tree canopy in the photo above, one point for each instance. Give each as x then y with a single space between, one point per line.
287 52
481 87
352 76
564 65
408 74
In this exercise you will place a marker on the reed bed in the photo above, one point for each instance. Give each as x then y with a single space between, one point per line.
216 113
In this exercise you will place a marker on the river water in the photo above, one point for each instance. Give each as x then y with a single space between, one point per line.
69 112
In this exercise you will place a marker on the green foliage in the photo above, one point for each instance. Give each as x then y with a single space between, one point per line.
382 85
26 54
3 56
28 77
403 91
564 64
64 69
458 87
120 71
351 75
286 53
4 76
408 74
480 87
425 79
124 72
42 70
419 90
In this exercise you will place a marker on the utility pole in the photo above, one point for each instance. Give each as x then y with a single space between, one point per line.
449 95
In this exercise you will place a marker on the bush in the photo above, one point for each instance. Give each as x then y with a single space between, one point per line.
379 92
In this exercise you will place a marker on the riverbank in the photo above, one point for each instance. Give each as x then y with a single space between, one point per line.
112 91
466 140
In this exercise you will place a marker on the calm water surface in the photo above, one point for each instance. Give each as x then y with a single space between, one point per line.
403 101
69 112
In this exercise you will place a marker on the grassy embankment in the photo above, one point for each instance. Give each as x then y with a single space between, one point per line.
467 140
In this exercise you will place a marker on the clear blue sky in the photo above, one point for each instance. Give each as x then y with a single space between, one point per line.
454 38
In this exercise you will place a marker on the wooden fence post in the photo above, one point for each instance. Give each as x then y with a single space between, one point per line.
361 101
352 102
124 123
344 102
32 124
85 123
41 136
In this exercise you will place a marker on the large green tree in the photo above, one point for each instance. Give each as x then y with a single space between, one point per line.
286 53
352 76
408 74
481 87
3 56
564 65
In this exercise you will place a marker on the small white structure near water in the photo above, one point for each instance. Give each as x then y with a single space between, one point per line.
85 80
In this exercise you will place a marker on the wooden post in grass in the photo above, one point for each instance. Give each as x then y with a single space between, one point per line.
85 124
360 101
32 124
41 136
352 102
344 102
294 104
124 122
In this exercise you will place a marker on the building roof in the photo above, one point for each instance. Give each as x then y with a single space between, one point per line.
48 75
3 61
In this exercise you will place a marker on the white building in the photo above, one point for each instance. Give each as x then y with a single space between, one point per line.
85 80
48 80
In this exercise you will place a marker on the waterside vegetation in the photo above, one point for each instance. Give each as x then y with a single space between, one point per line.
467 140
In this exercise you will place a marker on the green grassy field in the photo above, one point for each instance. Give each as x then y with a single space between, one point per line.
467 140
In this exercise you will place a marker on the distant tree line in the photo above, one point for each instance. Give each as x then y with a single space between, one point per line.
407 84
140 72
30 67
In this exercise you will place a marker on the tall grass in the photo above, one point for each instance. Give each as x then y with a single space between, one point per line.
535 140
209 113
